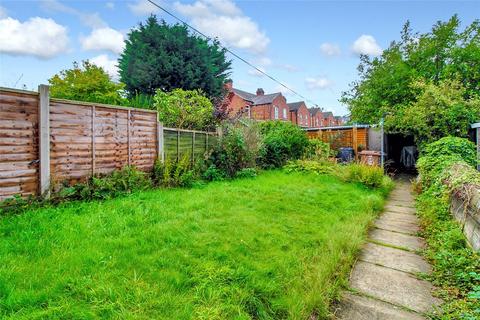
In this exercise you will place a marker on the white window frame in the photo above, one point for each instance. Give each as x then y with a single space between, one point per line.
284 110
275 112
249 112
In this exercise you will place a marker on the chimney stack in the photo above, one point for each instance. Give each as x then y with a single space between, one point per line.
260 92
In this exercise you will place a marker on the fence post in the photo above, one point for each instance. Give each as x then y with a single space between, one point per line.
128 135
354 141
44 139
178 144
93 141
193 147
160 153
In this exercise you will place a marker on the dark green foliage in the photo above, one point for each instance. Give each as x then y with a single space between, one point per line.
426 84
174 173
246 173
283 141
213 174
160 56
445 168
230 155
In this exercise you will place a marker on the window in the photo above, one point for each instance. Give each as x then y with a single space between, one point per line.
249 112
301 119
316 122
284 113
276 112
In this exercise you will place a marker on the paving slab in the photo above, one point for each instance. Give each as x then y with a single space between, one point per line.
396 216
394 258
395 287
408 204
401 240
356 307
401 209
397 226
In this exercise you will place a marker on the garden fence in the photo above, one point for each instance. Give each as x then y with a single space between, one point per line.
44 141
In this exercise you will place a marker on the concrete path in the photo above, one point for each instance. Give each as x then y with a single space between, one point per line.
384 283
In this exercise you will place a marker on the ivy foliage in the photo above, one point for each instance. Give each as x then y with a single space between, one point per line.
446 167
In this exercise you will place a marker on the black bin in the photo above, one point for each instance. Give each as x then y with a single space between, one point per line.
346 155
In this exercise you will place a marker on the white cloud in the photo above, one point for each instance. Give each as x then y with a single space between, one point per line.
143 8
319 83
223 19
91 20
366 44
39 37
109 65
110 5
104 39
330 49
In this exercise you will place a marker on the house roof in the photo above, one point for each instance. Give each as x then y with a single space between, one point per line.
327 114
338 117
294 106
256 100
314 111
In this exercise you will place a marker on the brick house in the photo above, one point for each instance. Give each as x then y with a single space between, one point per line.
316 117
258 106
299 114
328 119
338 120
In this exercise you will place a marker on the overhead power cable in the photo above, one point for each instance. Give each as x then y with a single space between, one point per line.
231 52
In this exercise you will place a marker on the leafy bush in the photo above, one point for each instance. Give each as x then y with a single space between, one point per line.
369 176
231 153
317 167
174 173
452 146
213 174
246 173
283 141
188 109
317 150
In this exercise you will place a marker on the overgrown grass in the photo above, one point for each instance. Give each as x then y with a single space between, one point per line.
274 247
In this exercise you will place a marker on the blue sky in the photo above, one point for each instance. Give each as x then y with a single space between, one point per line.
312 46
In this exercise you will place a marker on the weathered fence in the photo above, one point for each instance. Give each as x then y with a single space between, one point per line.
355 137
44 140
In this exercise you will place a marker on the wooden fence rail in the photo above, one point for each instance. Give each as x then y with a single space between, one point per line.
45 140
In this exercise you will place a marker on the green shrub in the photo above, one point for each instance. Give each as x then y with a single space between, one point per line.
213 174
283 141
452 146
246 173
369 176
317 150
174 173
317 167
230 154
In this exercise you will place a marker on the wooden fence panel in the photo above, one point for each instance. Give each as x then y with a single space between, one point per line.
80 139
143 139
70 141
18 143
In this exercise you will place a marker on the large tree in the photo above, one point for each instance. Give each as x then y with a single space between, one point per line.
87 82
387 84
167 57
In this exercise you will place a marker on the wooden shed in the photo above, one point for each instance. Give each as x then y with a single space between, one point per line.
353 136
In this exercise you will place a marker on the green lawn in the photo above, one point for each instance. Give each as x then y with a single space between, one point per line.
274 247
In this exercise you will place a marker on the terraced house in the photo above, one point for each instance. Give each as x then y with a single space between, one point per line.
257 106
299 114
